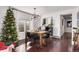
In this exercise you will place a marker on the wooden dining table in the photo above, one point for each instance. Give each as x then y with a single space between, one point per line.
40 33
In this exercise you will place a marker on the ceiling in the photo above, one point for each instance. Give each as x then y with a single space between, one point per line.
43 9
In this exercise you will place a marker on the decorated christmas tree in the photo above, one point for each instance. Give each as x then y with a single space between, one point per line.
9 33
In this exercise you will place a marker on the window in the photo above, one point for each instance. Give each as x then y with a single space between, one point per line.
21 27
27 25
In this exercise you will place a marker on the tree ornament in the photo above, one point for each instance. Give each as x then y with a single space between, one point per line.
9 36
8 11
8 30
10 16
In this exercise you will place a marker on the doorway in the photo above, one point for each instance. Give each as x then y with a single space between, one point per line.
66 24
66 27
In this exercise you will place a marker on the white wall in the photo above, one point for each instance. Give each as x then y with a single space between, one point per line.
62 26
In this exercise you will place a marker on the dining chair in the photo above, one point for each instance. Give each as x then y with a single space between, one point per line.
32 37
35 37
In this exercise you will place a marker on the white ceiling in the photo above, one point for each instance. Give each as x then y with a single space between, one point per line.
43 9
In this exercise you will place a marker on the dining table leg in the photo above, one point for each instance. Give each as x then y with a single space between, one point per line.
41 41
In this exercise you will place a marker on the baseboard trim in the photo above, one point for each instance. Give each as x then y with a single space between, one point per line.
57 37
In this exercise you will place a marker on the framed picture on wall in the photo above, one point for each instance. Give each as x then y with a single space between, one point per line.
44 21
69 23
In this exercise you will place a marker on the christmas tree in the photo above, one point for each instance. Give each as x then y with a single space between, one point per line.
9 33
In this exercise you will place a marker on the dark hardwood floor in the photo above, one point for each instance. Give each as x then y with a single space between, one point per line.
54 45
